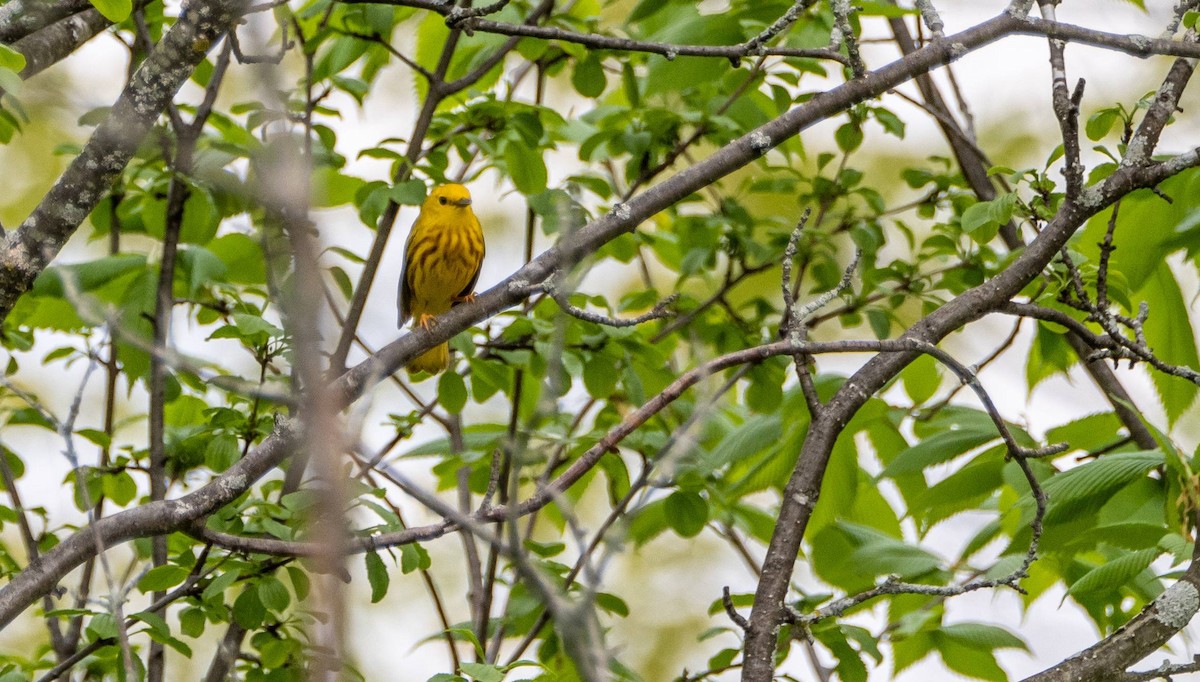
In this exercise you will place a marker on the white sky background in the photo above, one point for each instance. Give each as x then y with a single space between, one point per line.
1008 86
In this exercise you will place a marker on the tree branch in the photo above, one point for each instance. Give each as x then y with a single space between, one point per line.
27 250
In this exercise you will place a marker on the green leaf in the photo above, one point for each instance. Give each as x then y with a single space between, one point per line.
645 9
221 583
921 378
600 375
1092 432
413 557
939 448
221 452
1100 123
408 193
482 672
162 578
102 626
756 435
192 621
890 122
115 11
612 604
588 77
888 556
248 610
11 59
850 667
992 213
686 513
273 594
1049 355
331 188
242 256
377 575
765 392
848 137
984 636
973 662
1170 335
525 166
119 487
476 438
55 281
1152 221
1113 574
963 489
452 392
201 267
1090 485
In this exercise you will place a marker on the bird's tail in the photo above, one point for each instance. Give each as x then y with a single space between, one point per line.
432 361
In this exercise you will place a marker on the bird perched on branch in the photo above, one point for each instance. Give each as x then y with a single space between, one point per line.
441 265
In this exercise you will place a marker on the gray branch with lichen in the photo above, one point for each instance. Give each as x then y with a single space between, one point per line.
26 251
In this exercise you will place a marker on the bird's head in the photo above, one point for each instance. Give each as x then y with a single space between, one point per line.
448 197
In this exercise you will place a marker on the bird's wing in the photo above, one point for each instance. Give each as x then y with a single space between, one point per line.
470 288
404 298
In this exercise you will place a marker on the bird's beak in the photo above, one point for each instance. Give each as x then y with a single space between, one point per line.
463 202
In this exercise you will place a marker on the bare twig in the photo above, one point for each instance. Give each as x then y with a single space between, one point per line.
661 310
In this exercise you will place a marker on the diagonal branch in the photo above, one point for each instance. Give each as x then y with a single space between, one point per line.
801 492
27 250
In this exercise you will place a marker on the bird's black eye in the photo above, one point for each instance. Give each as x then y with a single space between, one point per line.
442 201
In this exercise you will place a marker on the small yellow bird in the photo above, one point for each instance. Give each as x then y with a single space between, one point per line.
442 259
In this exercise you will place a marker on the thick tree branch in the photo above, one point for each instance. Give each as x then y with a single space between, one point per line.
27 250
19 18
1107 660
975 165
801 492
57 41
41 576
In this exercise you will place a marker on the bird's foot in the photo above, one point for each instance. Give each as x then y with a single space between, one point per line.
469 298
425 321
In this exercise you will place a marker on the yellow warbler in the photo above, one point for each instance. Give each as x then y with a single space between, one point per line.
441 265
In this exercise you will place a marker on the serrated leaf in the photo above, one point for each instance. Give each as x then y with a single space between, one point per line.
1169 334
966 660
756 435
984 636
941 447
1114 574
1090 485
